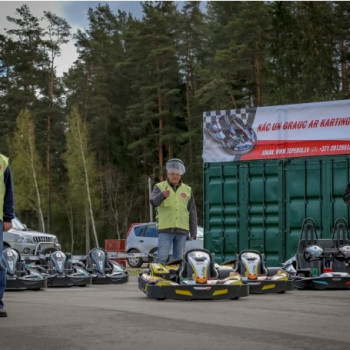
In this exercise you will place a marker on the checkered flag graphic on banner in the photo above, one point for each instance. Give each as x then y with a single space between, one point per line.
231 128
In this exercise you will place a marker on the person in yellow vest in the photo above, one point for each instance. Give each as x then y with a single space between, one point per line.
6 216
176 212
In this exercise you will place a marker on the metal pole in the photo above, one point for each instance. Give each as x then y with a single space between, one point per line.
149 195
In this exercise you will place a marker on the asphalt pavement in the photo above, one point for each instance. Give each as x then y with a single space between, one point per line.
122 317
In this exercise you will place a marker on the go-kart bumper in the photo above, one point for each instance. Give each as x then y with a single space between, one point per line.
193 291
67 281
20 283
270 286
110 278
322 282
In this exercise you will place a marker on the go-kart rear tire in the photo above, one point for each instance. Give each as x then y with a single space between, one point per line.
134 261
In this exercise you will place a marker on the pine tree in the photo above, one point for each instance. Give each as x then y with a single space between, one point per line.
156 85
58 33
302 52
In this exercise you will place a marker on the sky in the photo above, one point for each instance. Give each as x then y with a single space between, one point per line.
74 12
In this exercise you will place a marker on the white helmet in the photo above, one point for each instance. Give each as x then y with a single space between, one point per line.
176 165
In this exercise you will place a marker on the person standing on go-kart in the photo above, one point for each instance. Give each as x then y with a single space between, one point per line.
176 212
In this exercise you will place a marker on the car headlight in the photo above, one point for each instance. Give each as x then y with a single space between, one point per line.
55 240
23 238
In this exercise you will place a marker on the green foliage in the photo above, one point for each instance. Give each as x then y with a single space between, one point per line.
27 168
137 92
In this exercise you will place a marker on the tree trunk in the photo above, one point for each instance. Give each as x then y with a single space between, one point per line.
48 173
87 186
36 186
87 232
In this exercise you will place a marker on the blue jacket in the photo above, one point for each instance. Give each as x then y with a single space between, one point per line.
9 211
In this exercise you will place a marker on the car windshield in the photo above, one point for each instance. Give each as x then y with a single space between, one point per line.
16 224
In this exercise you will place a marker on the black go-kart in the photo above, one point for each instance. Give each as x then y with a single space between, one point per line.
102 269
250 264
60 271
194 277
321 263
19 274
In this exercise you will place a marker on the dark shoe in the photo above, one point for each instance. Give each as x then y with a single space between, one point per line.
3 313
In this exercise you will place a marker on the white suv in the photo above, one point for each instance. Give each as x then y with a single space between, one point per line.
143 238
28 242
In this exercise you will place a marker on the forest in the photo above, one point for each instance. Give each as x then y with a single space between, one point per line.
85 148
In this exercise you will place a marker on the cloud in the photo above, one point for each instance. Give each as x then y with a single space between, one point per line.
37 8
74 12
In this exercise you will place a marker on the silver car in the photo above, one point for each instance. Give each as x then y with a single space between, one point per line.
28 242
143 238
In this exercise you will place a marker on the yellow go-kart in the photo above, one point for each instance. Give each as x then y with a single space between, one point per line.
194 277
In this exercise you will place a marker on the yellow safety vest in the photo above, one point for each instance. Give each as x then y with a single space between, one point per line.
173 212
3 166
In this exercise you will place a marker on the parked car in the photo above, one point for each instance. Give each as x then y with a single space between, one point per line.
143 238
28 242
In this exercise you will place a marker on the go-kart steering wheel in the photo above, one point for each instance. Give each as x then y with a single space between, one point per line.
308 256
344 253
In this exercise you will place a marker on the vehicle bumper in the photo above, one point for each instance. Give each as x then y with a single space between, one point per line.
193 292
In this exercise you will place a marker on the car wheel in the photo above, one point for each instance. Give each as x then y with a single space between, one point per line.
134 261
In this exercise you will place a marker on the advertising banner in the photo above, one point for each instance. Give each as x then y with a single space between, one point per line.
285 131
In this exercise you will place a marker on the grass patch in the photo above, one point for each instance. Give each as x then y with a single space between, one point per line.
134 272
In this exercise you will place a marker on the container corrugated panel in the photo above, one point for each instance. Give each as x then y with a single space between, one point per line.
314 188
261 204
221 209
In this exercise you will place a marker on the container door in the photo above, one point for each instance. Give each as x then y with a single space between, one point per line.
221 210
314 188
261 209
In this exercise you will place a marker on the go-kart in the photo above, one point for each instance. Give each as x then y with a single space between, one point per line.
321 263
18 275
195 277
102 269
250 264
60 272
229 130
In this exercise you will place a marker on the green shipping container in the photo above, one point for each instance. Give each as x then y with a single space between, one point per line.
261 204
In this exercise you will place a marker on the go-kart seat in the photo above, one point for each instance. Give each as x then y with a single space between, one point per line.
340 237
340 234
186 270
262 270
308 237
